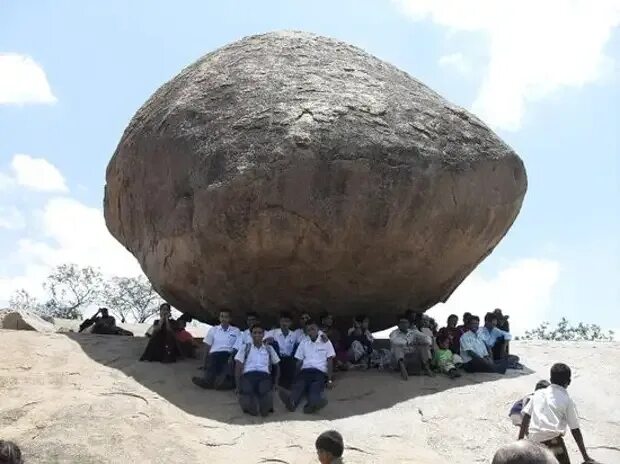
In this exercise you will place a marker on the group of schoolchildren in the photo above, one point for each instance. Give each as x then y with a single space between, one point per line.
300 362
417 347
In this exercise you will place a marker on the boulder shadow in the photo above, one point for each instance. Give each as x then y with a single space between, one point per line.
355 392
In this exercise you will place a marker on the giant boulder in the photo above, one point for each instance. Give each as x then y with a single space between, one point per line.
293 171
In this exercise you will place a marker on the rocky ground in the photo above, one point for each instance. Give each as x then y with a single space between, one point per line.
76 398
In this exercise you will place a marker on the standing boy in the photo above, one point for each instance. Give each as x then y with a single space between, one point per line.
550 412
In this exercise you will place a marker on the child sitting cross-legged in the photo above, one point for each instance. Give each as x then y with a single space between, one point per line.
444 359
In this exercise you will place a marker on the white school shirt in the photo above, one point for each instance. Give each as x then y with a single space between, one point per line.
258 359
220 339
472 342
244 338
286 343
314 354
551 411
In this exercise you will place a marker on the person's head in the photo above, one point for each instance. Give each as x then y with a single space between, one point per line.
312 328
466 317
10 453
164 311
453 320
326 319
225 317
361 322
258 333
473 323
104 312
490 320
329 446
541 384
560 375
251 318
304 318
403 322
285 320
443 341
523 452
180 324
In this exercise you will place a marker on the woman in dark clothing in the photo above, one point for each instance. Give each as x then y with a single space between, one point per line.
162 346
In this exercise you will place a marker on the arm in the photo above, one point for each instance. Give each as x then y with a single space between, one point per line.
525 426
396 340
330 371
582 447
276 370
238 372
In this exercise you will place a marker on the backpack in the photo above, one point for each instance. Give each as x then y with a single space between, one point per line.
517 409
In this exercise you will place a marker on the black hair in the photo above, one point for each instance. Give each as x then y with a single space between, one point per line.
311 322
164 304
360 318
185 317
541 384
285 315
523 452
560 374
251 314
453 316
489 317
104 310
226 310
402 316
257 325
442 337
10 453
323 315
472 317
466 316
331 442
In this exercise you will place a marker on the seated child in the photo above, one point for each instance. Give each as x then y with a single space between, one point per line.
444 359
516 414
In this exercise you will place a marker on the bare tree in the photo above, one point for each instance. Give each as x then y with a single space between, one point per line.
72 288
21 300
133 296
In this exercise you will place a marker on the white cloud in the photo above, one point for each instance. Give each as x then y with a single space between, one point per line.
6 181
535 48
11 218
37 174
456 61
69 232
523 290
23 81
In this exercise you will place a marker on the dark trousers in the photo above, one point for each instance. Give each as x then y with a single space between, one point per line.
256 393
218 370
288 366
499 349
558 448
309 382
484 365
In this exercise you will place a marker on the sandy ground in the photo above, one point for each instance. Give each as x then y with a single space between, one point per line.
77 398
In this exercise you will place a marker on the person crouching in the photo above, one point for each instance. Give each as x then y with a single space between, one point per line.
255 384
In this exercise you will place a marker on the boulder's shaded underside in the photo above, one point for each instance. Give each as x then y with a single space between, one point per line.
293 171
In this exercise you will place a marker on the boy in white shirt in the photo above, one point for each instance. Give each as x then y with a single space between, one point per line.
220 341
285 342
245 337
253 373
550 411
315 363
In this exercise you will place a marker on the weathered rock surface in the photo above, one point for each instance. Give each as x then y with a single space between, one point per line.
13 319
290 171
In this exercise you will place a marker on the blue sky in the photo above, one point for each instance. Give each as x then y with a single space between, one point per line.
546 78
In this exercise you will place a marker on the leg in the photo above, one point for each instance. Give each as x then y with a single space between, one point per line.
479 365
247 399
499 349
398 361
297 390
316 392
264 393
214 364
558 448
